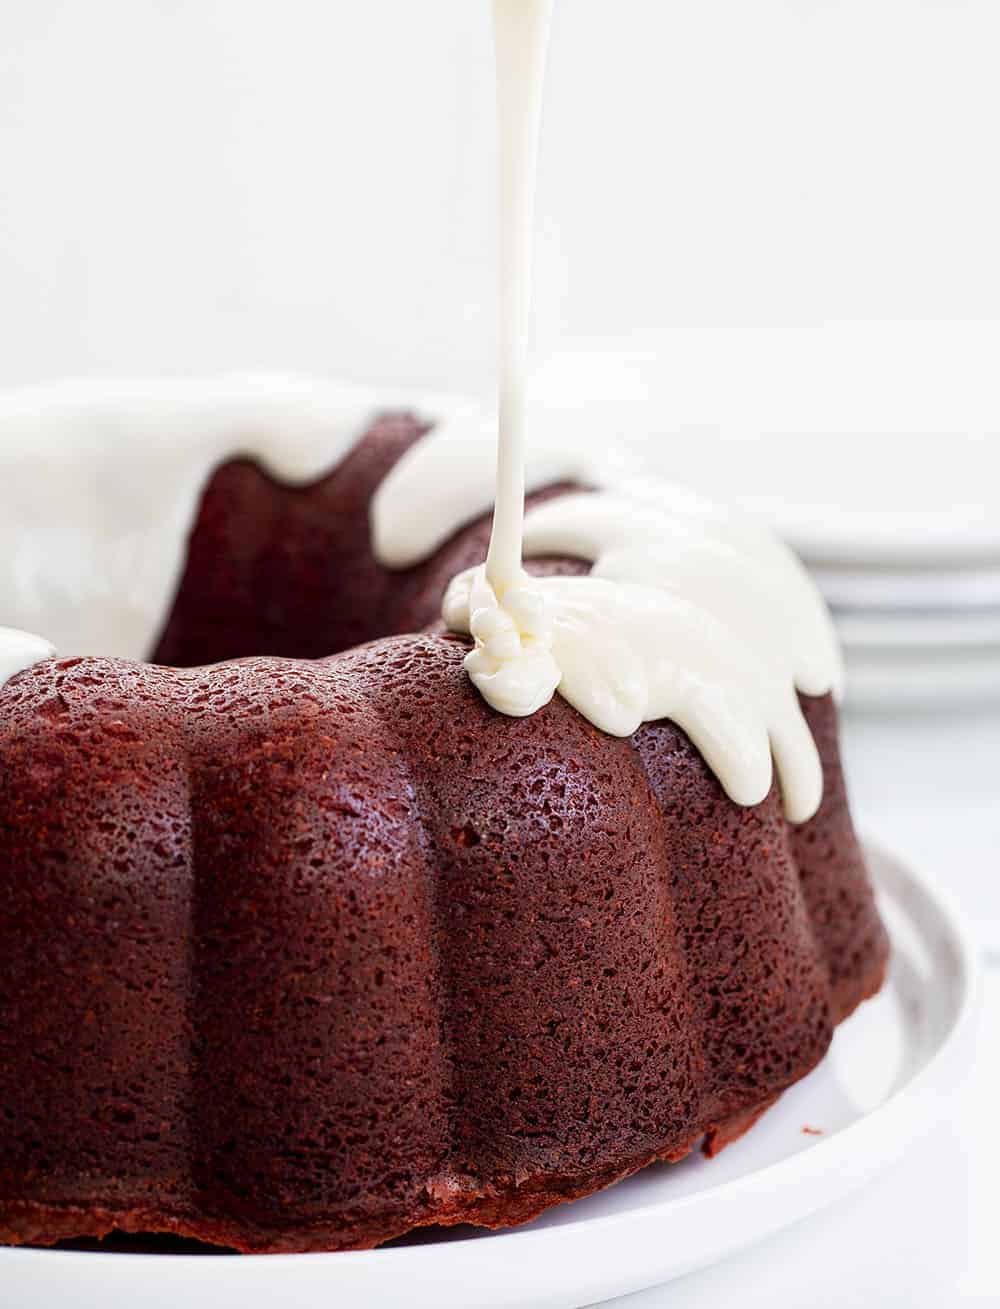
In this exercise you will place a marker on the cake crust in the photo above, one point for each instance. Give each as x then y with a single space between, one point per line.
302 954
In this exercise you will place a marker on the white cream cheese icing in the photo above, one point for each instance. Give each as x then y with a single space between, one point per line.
687 614
700 619
20 650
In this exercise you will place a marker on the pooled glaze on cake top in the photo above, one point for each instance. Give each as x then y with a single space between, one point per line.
685 615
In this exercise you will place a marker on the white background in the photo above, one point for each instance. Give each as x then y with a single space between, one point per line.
774 218
194 185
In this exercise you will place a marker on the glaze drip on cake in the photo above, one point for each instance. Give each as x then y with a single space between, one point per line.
20 650
673 622
678 619
521 29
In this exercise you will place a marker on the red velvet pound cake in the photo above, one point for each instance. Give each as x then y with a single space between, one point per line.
301 955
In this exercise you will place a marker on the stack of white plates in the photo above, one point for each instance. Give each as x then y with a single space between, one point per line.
872 448
907 556
917 634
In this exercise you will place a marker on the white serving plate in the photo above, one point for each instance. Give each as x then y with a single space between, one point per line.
887 1080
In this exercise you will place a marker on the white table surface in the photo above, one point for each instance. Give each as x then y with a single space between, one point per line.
927 1234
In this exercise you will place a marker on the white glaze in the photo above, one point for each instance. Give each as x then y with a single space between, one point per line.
521 30
699 618
686 614
100 482
725 564
448 479
20 650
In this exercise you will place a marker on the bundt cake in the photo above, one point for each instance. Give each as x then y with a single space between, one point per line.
307 949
